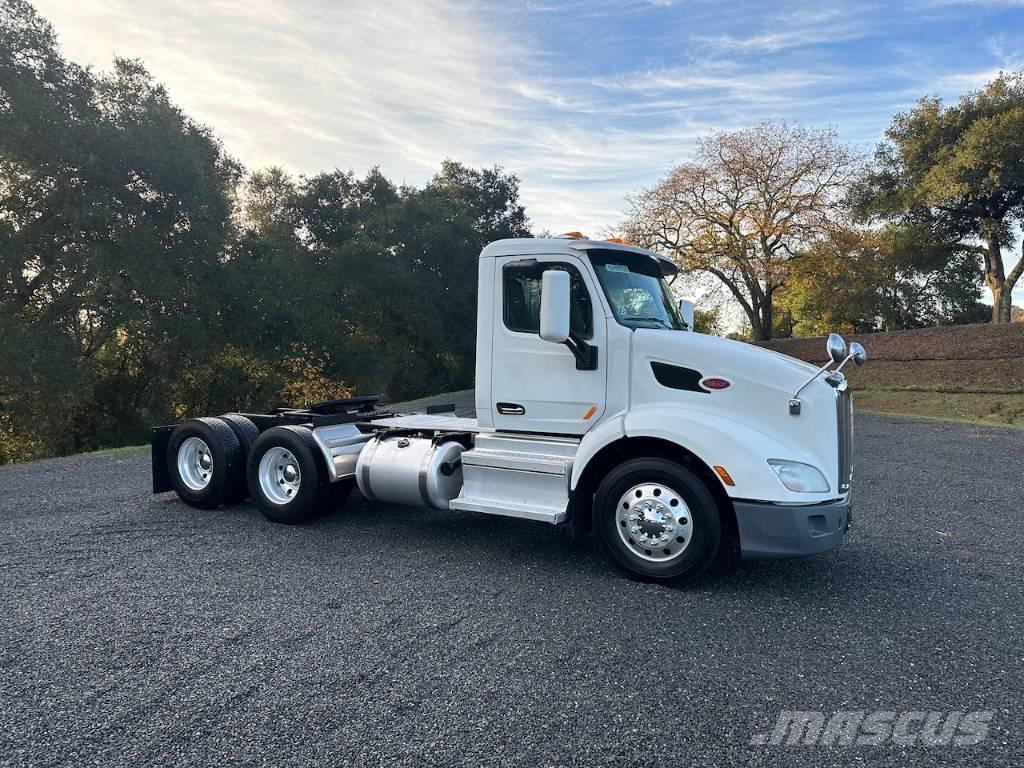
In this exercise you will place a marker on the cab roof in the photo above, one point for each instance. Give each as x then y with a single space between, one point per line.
530 246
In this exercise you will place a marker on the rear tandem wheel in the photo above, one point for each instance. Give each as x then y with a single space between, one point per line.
287 478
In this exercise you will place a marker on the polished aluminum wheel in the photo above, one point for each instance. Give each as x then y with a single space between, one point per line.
195 464
279 475
654 522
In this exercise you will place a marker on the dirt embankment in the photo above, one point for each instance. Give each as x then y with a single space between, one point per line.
972 372
961 358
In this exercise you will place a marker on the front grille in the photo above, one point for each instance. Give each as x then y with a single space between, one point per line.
844 413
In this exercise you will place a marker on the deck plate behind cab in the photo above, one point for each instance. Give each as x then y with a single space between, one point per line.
439 421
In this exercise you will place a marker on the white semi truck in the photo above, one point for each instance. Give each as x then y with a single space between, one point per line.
596 408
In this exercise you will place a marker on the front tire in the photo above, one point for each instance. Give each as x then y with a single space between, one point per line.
287 479
657 521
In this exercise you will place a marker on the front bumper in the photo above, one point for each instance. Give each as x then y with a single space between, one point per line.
774 531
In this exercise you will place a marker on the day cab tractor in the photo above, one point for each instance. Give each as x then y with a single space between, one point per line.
597 408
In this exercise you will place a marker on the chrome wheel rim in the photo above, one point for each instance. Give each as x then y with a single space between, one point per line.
195 464
280 477
654 522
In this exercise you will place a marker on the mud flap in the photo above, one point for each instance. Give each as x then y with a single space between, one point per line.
159 440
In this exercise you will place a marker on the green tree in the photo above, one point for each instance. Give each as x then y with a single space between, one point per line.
386 274
115 210
891 278
708 320
958 170
143 280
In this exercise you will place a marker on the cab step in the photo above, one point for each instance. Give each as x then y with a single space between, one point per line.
517 476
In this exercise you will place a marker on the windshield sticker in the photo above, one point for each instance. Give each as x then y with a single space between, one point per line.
616 268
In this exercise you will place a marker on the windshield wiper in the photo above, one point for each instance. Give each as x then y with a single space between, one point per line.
661 320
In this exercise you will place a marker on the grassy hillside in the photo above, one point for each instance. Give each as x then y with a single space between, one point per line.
969 372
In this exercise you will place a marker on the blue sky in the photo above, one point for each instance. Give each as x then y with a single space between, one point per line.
585 101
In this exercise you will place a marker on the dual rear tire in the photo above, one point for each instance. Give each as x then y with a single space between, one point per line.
205 463
214 461
287 478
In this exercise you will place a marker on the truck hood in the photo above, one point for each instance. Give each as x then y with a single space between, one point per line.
755 404
715 356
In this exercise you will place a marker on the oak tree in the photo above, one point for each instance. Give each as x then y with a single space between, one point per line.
959 169
745 206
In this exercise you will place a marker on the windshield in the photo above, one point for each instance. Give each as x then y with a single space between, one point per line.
635 288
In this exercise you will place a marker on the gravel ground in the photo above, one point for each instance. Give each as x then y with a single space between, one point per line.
137 631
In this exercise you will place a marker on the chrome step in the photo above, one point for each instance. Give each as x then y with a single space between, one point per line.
548 445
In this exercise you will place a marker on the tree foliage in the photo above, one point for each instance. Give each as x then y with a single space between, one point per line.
894 278
959 171
144 277
747 205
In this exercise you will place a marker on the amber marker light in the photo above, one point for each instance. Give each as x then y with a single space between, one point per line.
590 412
726 477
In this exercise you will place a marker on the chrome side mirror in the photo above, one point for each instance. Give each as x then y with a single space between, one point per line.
836 346
858 353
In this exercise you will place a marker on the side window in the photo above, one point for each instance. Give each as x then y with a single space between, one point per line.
521 288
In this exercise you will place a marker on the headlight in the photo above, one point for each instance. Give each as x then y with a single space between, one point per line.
801 478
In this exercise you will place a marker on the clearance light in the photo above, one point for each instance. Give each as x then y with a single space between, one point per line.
726 477
618 240
573 235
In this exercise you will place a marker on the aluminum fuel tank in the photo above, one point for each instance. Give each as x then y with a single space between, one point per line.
411 470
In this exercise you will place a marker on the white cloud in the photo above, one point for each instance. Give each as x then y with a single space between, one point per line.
320 85
952 3
959 82
340 83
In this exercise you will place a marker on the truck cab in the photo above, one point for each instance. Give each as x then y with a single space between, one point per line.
597 407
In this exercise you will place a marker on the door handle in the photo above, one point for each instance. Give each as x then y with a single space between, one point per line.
511 409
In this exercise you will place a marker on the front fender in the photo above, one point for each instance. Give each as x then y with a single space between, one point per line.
717 441
604 434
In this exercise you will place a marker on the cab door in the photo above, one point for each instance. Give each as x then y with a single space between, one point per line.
537 385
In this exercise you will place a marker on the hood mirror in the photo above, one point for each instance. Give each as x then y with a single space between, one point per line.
836 346
837 351
858 353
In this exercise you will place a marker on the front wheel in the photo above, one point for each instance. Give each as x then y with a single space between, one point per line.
657 521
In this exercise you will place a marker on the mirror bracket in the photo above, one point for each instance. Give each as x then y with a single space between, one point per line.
585 354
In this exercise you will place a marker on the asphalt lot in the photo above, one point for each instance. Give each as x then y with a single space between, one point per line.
137 631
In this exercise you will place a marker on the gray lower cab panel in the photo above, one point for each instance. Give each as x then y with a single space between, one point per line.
517 476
